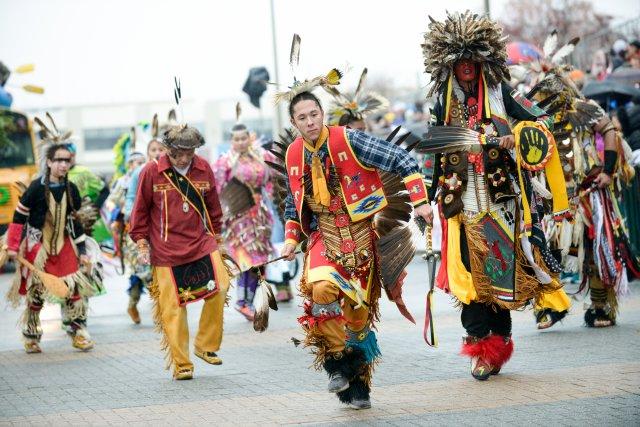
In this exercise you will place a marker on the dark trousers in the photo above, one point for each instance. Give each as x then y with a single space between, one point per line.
481 319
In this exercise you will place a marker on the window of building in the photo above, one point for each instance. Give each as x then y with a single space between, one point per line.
103 138
262 128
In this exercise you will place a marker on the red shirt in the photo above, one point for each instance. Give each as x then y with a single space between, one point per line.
176 237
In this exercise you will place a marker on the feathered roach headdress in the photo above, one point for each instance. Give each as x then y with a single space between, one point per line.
549 76
358 104
550 73
332 78
50 136
180 135
464 36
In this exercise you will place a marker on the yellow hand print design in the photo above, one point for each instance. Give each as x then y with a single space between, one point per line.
536 146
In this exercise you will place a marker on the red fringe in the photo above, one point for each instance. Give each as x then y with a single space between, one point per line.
492 350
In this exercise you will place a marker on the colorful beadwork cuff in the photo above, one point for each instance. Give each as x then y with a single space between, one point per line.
416 188
292 230
14 235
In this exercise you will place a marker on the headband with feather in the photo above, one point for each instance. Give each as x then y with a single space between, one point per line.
178 135
464 36
51 136
358 105
332 78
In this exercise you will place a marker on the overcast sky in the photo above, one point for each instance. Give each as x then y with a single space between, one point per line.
97 52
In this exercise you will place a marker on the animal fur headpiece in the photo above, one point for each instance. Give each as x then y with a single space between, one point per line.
332 78
50 136
464 36
358 104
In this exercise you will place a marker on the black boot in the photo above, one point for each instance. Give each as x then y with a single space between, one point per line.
547 318
342 367
357 395
597 317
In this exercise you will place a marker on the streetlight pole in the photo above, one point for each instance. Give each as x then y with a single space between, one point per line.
275 68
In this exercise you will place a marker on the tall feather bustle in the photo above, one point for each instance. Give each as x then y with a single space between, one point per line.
279 150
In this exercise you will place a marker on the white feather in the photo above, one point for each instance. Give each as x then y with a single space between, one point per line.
540 188
576 148
566 235
623 286
562 53
550 44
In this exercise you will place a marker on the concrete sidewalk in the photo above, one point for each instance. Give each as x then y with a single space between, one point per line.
568 375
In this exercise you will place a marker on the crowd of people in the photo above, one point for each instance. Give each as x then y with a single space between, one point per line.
529 186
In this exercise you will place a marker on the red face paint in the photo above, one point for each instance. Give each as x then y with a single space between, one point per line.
465 70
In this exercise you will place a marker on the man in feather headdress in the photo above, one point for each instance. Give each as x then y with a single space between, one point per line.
337 180
494 256
595 245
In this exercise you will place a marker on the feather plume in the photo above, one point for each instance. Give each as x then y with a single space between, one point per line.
444 139
393 133
565 50
333 77
134 137
44 127
264 300
276 167
279 149
409 148
403 138
550 44
294 56
540 188
238 112
155 128
363 78
177 91
53 123
395 252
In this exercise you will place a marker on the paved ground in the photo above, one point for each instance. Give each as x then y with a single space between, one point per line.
568 375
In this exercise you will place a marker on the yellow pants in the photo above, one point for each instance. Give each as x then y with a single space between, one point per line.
174 324
325 292
557 300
